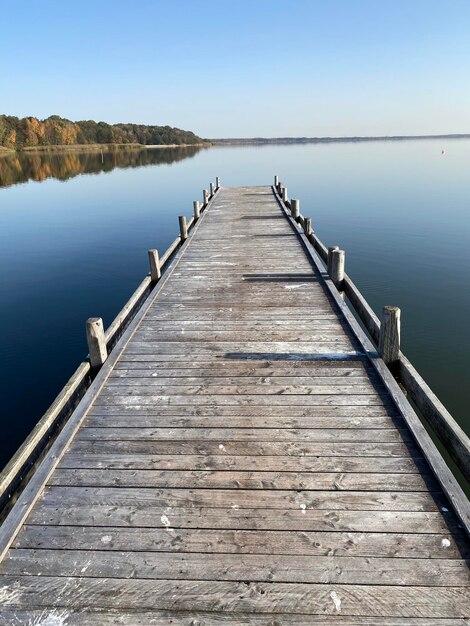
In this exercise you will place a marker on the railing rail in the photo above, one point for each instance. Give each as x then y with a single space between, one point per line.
15 473
451 435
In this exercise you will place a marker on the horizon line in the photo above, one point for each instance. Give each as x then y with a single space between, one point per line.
341 137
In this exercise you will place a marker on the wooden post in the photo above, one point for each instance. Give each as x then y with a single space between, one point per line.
295 209
183 228
389 338
284 194
337 268
96 342
197 210
308 227
154 262
276 181
212 189
205 197
217 182
331 249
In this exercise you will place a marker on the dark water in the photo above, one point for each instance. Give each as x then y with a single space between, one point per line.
74 245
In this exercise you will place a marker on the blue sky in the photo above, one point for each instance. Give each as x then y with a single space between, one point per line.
226 68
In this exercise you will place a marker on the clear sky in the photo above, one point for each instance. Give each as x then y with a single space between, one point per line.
241 68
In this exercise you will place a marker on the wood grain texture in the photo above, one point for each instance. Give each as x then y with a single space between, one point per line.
231 518
240 460
310 464
213 479
262 568
347 435
129 617
223 541
231 597
245 498
251 448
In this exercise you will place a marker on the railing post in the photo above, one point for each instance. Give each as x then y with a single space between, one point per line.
308 227
205 197
212 189
183 228
197 210
284 194
337 268
389 337
96 342
217 182
331 249
154 262
276 181
295 209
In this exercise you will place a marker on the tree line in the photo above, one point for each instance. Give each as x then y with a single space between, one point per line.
28 132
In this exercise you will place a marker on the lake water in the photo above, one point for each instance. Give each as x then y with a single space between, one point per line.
75 230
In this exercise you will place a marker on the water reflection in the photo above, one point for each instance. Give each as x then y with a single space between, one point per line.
20 167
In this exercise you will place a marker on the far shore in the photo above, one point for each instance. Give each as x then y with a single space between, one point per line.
105 147
240 141
234 141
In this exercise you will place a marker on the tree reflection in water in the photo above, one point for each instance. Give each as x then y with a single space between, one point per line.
20 167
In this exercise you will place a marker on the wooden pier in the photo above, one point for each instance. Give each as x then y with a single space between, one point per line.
243 454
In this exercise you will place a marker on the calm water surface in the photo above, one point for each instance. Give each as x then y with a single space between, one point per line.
75 229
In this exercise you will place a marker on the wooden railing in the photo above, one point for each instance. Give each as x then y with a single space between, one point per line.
100 343
385 334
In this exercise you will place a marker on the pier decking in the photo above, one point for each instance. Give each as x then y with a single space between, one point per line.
239 459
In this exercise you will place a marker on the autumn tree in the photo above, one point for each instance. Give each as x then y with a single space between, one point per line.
58 131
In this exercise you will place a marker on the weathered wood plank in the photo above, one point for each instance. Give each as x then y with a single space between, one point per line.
264 292
116 460
221 541
140 420
206 348
313 324
108 398
129 617
247 359
236 369
235 312
213 378
258 411
250 448
255 335
213 479
128 514
245 498
154 387
262 568
295 598
278 366
346 435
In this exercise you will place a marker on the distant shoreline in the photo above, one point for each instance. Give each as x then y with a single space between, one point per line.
305 140
230 141
96 147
